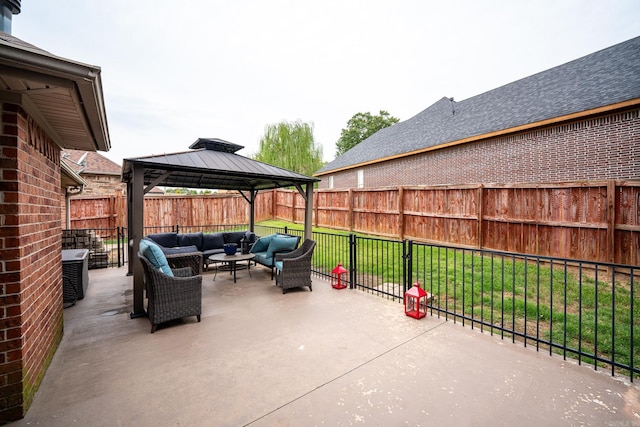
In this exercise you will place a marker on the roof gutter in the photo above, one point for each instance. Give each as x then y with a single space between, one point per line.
86 79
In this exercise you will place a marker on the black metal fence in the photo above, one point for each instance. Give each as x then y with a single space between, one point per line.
588 311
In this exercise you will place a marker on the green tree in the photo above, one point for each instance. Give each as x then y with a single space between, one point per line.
290 145
360 127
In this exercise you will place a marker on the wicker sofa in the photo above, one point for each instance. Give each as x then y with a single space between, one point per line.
175 245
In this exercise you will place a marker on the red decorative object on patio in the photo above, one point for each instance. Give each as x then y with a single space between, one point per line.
337 280
416 301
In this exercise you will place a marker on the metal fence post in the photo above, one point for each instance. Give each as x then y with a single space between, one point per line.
407 264
352 261
118 239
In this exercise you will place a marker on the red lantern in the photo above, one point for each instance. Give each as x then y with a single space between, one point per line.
337 279
415 301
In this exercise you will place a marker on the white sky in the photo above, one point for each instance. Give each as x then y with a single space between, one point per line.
174 71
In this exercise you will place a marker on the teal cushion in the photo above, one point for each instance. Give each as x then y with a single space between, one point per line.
281 243
262 244
156 257
279 265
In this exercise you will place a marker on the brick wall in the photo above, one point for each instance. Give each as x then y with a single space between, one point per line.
606 147
103 185
30 259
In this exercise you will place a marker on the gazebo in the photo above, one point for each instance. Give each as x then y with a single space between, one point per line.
210 164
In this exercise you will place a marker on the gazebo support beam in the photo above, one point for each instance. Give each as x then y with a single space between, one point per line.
136 231
252 208
308 212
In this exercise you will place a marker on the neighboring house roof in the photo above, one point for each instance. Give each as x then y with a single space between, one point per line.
90 162
63 96
592 84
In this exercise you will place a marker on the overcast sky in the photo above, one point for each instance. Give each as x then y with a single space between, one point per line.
174 71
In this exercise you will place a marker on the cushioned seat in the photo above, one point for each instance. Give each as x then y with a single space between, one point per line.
173 244
171 293
265 248
294 268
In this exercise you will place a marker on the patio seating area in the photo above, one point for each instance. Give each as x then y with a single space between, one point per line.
327 357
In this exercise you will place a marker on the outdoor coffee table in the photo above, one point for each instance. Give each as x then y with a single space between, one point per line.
232 260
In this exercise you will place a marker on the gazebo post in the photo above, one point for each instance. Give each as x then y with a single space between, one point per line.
136 230
252 210
308 212
129 248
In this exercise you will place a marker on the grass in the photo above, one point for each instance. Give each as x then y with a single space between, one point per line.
580 312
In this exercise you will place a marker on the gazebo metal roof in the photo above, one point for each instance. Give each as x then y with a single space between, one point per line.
212 164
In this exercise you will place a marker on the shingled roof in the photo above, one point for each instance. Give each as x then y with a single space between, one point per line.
90 162
607 77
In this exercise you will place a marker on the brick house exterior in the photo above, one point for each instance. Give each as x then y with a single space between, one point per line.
31 259
579 121
101 174
562 153
65 111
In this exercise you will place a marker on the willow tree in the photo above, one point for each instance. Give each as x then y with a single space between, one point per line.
290 145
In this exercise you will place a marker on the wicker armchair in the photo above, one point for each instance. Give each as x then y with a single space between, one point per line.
191 259
169 297
294 268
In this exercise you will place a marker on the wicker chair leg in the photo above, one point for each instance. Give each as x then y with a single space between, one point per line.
153 328
198 317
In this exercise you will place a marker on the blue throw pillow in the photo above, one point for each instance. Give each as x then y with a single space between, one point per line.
156 257
262 244
279 243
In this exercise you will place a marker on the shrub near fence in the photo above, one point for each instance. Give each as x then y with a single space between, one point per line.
594 221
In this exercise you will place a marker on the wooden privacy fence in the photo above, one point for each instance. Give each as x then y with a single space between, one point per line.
167 211
98 212
594 221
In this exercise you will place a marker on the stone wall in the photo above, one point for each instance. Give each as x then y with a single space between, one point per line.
103 185
87 239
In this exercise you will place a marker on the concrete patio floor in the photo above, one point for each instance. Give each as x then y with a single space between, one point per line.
327 357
